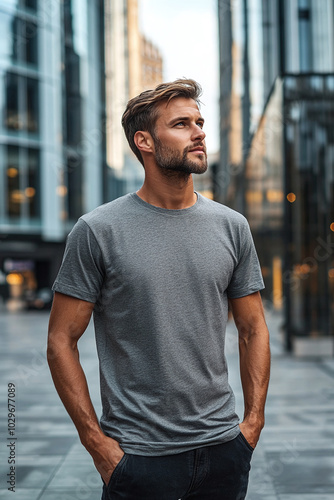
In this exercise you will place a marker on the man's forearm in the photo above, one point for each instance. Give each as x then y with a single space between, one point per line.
254 360
68 321
71 385
255 371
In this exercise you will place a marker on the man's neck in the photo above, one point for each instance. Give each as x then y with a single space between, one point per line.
174 191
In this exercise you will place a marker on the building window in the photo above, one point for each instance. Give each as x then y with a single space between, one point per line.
14 194
32 190
30 4
74 184
19 42
305 36
22 104
24 41
30 47
13 121
23 184
32 105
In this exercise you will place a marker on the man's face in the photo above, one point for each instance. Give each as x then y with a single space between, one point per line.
179 140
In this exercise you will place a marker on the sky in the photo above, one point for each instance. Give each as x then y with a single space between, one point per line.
186 33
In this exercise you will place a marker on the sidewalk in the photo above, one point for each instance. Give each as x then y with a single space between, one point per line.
293 461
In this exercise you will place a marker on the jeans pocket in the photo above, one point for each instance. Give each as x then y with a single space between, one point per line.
244 440
117 471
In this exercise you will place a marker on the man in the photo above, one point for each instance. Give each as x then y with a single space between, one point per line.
157 269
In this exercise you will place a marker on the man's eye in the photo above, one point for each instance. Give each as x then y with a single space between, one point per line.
179 123
200 124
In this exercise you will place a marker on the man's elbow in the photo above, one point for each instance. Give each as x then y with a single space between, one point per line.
52 349
248 333
58 347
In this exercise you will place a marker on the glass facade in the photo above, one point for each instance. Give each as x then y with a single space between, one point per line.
79 100
309 157
307 36
289 193
52 137
283 178
264 195
75 56
20 122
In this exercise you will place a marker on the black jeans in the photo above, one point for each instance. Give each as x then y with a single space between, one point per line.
218 472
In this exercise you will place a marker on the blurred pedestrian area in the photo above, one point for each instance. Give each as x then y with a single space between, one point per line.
293 461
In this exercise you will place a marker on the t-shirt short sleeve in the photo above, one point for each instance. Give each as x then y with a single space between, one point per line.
247 276
81 273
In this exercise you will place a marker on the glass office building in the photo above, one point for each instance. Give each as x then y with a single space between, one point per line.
52 151
279 114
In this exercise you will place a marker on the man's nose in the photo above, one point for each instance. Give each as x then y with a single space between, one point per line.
198 133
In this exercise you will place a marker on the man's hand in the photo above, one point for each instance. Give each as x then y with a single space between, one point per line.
251 432
106 457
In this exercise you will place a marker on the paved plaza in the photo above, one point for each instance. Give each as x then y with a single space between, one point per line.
293 461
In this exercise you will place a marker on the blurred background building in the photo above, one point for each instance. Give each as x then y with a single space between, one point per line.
67 69
277 153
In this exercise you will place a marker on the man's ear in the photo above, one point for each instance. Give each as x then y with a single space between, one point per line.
143 141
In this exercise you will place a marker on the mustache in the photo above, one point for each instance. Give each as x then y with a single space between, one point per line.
195 145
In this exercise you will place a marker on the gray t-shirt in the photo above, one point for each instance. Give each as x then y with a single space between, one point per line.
160 280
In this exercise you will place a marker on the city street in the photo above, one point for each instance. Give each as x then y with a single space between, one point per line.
293 461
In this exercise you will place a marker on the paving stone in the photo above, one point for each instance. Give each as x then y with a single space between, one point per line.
69 494
21 494
294 459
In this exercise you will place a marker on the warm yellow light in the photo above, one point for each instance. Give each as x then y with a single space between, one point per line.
274 195
207 193
332 226
254 196
61 190
30 192
291 197
331 273
12 172
17 196
14 279
277 283
63 215
304 269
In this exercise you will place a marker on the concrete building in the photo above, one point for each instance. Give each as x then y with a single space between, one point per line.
277 160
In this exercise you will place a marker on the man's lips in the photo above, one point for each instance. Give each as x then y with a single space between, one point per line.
198 150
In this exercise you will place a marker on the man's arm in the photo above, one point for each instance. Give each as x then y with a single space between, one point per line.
254 354
68 320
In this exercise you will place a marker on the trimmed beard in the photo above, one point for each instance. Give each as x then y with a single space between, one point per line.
170 160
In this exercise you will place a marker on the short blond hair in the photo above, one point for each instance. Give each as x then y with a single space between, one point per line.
141 112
